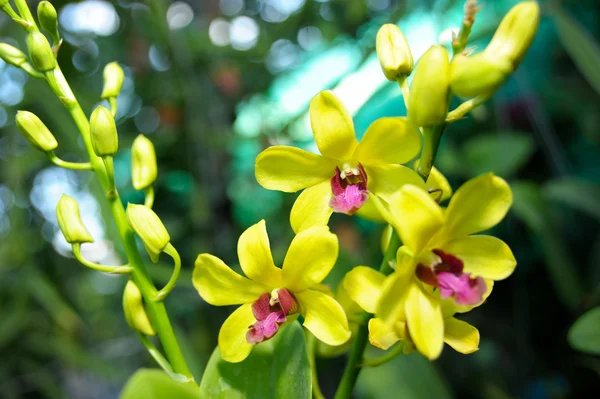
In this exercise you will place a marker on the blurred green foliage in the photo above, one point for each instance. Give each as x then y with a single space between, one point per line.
212 83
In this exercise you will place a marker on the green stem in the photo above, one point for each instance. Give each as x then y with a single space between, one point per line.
466 107
27 67
405 92
388 356
110 174
172 252
25 13
356 357
68 165
112 101
149 200
431 141
101 268
311 347
139 274
155 353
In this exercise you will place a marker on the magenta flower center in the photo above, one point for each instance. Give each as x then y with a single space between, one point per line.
448 276
349 188
270 311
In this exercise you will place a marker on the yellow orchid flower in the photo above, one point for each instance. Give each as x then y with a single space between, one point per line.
349 176
269 296
441 270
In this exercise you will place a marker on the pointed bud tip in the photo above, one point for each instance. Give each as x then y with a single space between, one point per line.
103 132
148 226
113 80
69 221
143 163
40 52
393 53
34 130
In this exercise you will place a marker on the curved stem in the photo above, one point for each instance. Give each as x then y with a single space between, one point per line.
172 252
27 67
466 107
431 141
355 359
149 200
405 92
156 310
311 347
389 355
24 12
68 165
101 268
155 353
112 101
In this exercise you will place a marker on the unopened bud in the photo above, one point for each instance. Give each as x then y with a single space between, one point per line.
148 226
34 130
103 131
69 221
477 74
143 163
40 52
515 33
12 55
135 313
113 80
429 90
394 53
48 19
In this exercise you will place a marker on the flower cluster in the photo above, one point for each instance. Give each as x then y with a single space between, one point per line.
441 266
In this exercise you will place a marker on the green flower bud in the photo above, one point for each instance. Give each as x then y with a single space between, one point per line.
143 163
429 90
394 53
515 33
69 221
40 52
34 130
148 226
478 74
113 80
12 55
103 132
48 19
133 307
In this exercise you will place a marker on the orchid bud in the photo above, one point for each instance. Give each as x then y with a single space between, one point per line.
40 52
148 226
113 80
477 74
103 131
48 19
143 163
12 55
135 313
394 53
515 33
69 221
34 130
429 90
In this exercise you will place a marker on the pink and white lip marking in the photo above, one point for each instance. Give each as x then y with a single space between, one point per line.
270 311
349 189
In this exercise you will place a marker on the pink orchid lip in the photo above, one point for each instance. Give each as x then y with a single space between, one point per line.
452 282
349 193
270 316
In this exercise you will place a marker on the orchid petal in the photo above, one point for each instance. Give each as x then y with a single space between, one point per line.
364 286
388 141
312 207
254 253
425 322
484 256
324 317
385 180
381 334
232 337
461 336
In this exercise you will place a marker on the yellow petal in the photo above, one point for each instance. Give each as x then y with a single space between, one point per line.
416 217
388 141
364 286
310 258
218 285
425 323
312 207
478 205
332 126
290 169
254 253
324 317
232 336
437 181
484 256
385 180
460 335
370 211
381 334
390 307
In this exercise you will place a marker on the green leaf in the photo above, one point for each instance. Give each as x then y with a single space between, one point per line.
579 194
278 368
580 45
584 334
156 384
502 153
530 206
